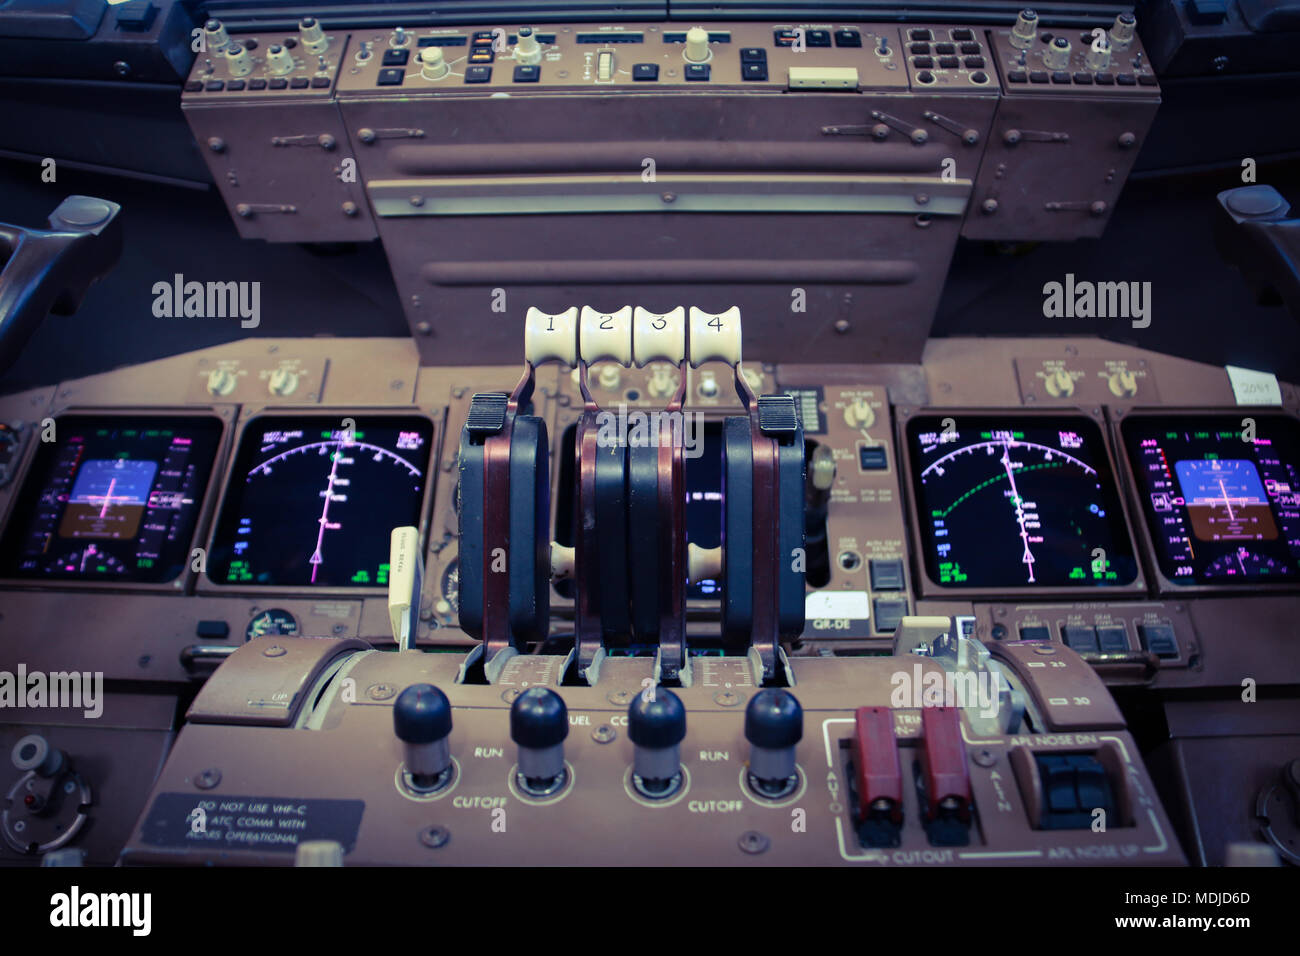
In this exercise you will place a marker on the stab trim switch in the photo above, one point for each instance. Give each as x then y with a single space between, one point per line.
656 724
539 722
877 778
943 780
422 722
773 727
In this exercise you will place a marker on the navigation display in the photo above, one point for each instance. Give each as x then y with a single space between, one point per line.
1017 501
1220 494
112 498
312 500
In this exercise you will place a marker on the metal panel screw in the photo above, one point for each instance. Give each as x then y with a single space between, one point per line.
435 837
207 779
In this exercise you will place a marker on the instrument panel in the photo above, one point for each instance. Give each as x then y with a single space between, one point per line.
308 496
1220 496
999 502
113 499
324 635
1017 503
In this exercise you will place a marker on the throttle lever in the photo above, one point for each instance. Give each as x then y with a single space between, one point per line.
49 270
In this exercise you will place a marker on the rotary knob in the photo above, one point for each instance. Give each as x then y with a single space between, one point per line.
697 45
282 381
1057 54
238 61
656 724
1098 59
279 60
215 37
312 36
422 722
1122 384
859 414
1059 384
1122 31
433 64
1023 33
773 727
527 50
539 722
221 381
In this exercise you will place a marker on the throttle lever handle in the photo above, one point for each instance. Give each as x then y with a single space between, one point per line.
49 270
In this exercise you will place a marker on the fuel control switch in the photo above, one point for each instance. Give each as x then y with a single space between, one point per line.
422 722
656 724
773 726
539 722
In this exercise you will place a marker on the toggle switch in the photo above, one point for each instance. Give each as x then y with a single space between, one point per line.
773 726
944 782
877 777
422 722
539 722
656 724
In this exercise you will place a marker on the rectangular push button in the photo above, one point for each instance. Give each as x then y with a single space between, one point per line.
1113 639
1035 632
877 777
872 458
645 72
823 78
886 574
1075 786
1159 639
1081 639
889 614
945 780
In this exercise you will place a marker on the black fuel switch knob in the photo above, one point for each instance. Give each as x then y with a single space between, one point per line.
773 726
539 722
656 723
422 722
